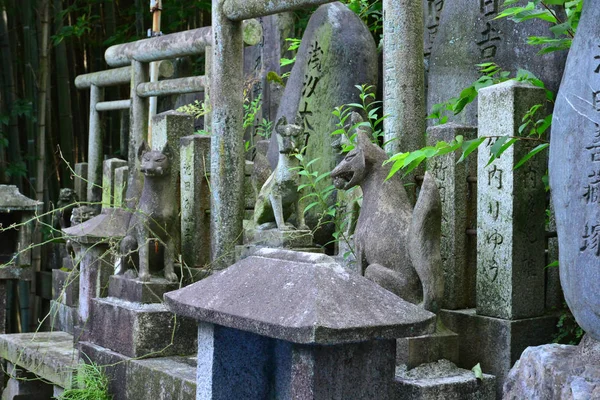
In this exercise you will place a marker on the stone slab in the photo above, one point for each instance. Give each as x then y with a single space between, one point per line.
62 317
443 380
23 385
49 355
496 343
277 238
301 298
162 378
554 371
114 364
10 271
574 173
139 291
108 180
136 330
412 352
65 287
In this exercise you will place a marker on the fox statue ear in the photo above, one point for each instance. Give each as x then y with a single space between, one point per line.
167 151
144 148
362 139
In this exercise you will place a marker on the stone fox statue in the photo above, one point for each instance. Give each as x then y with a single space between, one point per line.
280 191
156 217
396 247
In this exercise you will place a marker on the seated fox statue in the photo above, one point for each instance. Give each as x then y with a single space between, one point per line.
397 247
155 220
279 196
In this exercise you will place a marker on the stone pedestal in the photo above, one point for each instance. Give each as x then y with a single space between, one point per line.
135 330
65 300
442 380
139 291
291 325
25 385
556 371
414 351
496 343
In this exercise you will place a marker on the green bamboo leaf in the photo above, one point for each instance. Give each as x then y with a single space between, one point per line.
532 153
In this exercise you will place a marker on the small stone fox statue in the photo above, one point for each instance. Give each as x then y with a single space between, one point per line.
280 191
397 247
156 217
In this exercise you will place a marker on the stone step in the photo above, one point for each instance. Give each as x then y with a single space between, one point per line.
49 355
442 380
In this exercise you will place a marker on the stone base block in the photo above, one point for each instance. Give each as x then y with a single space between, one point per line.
162 378
280 239
49 355
496 343
136 290
442 380
65 287
555 371
62 317
114 366
135 329
25 385
245 250
414 351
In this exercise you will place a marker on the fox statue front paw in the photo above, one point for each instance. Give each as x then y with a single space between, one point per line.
171 276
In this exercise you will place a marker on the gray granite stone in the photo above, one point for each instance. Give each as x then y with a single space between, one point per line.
555 371
337 53
139 291
458 257
496 343
574 173
467 34
510 208
195 200
414 351
442 380
136 330
80 180
65 286
278 239
23 385
114 365
49 355
300 298
108 180
163 378
62 317
120 187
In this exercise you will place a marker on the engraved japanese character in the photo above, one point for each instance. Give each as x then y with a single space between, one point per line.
495 174
489 36
590 239
488 7
309 85
314 57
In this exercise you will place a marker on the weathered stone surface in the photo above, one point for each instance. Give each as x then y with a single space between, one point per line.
554 371
80 180
65 286
108 180
300 298
458 258
510 208
241 365
163 378
442 380
574 173
412 352
279 239
136 330
467 35
195 200
62 317
112 223
120 191
12 200
496 343
113 364
49 355
337 53
139 291
397 246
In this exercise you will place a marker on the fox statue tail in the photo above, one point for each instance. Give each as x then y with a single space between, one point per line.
424 237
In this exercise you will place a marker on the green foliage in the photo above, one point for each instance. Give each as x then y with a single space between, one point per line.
477 371
371 13
545 10
251 108
569 332
90 383
196 109
367 107
264 129
294 45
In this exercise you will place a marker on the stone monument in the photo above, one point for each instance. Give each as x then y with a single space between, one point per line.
572 372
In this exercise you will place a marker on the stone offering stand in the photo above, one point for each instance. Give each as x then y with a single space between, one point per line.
264 314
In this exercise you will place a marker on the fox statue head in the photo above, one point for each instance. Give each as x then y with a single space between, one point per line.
365 158
289 135
154 162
